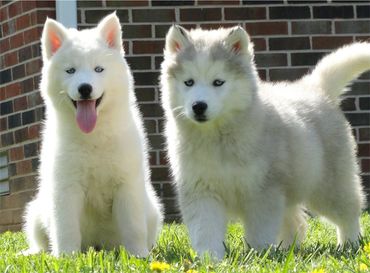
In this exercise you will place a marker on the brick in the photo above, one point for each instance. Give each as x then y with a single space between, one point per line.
5 76
152 158
18 71
172 3
12 169
364 103
27 85
3 124
333 12
216 25
137 31
163 158
330 42
156 142
151 110
352 27
7 139
23 183
31 149
17 200
31 35
5 46
6 107
28 117
21 135
365 165
12 90
169 190
146 78
363 150
24 167
17 40
148 47
39 113
290 12
43 14
363 11
94 16
283 74
307 58
348 104
271 60
359 88
262 74
217 2
153 15
311 27
45 4
245 13
364 134
306 1
14 121
158 62
34 99
16 153
150 126
139 63
358 119
160 174
93 4
170 206
10 59
34 131
23 22
28 5
289 43
203 14
127 3
25 53
262 2
33 67
15 9
267 28
145 94
259 44
36 50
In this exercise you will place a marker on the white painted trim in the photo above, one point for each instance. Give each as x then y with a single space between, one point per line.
66 12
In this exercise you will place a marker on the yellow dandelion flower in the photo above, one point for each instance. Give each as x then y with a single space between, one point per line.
159 266
191 271
362 267
367 248
318 270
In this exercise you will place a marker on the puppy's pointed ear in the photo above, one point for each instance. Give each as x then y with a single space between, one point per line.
238 41
110 30
177 39
53 36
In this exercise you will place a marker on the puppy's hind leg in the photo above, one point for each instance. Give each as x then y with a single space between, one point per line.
294 227
34 229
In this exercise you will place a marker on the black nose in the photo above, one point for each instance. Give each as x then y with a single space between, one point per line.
85 90
199 108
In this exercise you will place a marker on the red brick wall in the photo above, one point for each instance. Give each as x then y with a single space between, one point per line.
21 106
289 37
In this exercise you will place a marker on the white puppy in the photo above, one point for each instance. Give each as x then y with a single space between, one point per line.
95 185
259 151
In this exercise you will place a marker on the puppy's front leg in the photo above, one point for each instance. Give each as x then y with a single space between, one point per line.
206 221
130 217
65 234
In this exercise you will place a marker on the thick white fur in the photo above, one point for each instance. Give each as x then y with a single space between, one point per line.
94 188
267 149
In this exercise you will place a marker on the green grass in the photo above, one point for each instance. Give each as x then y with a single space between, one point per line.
317 252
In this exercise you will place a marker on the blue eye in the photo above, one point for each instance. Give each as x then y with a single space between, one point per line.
218 83
71 70
99 69
189 82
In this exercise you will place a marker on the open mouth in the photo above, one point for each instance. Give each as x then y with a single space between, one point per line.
97 102
86 114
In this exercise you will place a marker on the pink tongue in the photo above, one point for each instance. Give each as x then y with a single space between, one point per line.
86 115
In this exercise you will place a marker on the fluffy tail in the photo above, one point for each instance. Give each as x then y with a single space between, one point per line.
337 69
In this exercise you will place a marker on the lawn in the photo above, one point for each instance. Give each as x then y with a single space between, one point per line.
317 254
